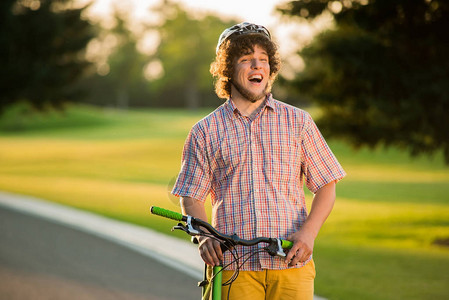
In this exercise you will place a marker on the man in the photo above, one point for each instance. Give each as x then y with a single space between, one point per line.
252 155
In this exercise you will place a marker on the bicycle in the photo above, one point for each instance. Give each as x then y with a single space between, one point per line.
193 227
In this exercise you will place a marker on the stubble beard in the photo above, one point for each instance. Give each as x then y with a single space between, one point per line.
248 95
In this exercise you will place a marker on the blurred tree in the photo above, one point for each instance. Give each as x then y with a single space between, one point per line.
41 42
382 74
186 50
124 83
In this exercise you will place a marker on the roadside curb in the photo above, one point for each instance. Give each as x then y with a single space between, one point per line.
173 252
178 254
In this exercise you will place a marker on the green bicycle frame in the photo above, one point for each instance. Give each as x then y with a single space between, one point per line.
217 276
212 283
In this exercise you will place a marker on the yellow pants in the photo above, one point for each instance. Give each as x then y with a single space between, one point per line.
290 284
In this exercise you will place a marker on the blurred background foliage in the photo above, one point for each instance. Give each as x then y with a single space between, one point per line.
376 76
379 74
41 47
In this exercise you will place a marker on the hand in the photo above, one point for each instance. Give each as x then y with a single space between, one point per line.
302 248
210 251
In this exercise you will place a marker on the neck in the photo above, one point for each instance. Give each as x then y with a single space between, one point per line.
245 107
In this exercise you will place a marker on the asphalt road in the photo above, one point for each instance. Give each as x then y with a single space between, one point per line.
44 260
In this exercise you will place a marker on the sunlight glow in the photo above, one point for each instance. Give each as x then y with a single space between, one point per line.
291 34
252 11
154 70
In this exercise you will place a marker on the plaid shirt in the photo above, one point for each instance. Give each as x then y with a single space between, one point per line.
255 170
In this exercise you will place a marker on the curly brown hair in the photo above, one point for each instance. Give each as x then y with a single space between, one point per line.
234 47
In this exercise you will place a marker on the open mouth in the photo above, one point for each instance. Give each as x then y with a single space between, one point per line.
255 78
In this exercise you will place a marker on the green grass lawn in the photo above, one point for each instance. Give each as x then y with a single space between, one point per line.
387 237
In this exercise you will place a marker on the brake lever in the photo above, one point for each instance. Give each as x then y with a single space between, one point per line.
280 251
275 248
188 227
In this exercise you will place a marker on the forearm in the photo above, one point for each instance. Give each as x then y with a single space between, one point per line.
193 207
209 249
304 239
322 205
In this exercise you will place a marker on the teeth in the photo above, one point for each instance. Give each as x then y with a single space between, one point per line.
259 77
255 78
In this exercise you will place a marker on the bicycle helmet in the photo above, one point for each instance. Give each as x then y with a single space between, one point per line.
242 28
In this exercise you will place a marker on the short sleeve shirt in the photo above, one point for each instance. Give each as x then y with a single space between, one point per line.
254 170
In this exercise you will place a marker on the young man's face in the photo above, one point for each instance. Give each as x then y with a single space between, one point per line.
251 75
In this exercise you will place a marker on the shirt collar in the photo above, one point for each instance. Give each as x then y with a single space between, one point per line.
270 102
233 111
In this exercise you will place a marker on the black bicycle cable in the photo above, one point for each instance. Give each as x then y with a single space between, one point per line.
237 269
232 251
236 260
238 266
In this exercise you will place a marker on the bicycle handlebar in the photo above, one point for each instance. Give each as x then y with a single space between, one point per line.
286 244
167 213
193 225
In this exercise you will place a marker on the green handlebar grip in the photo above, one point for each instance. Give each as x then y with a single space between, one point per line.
286 244
166 213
